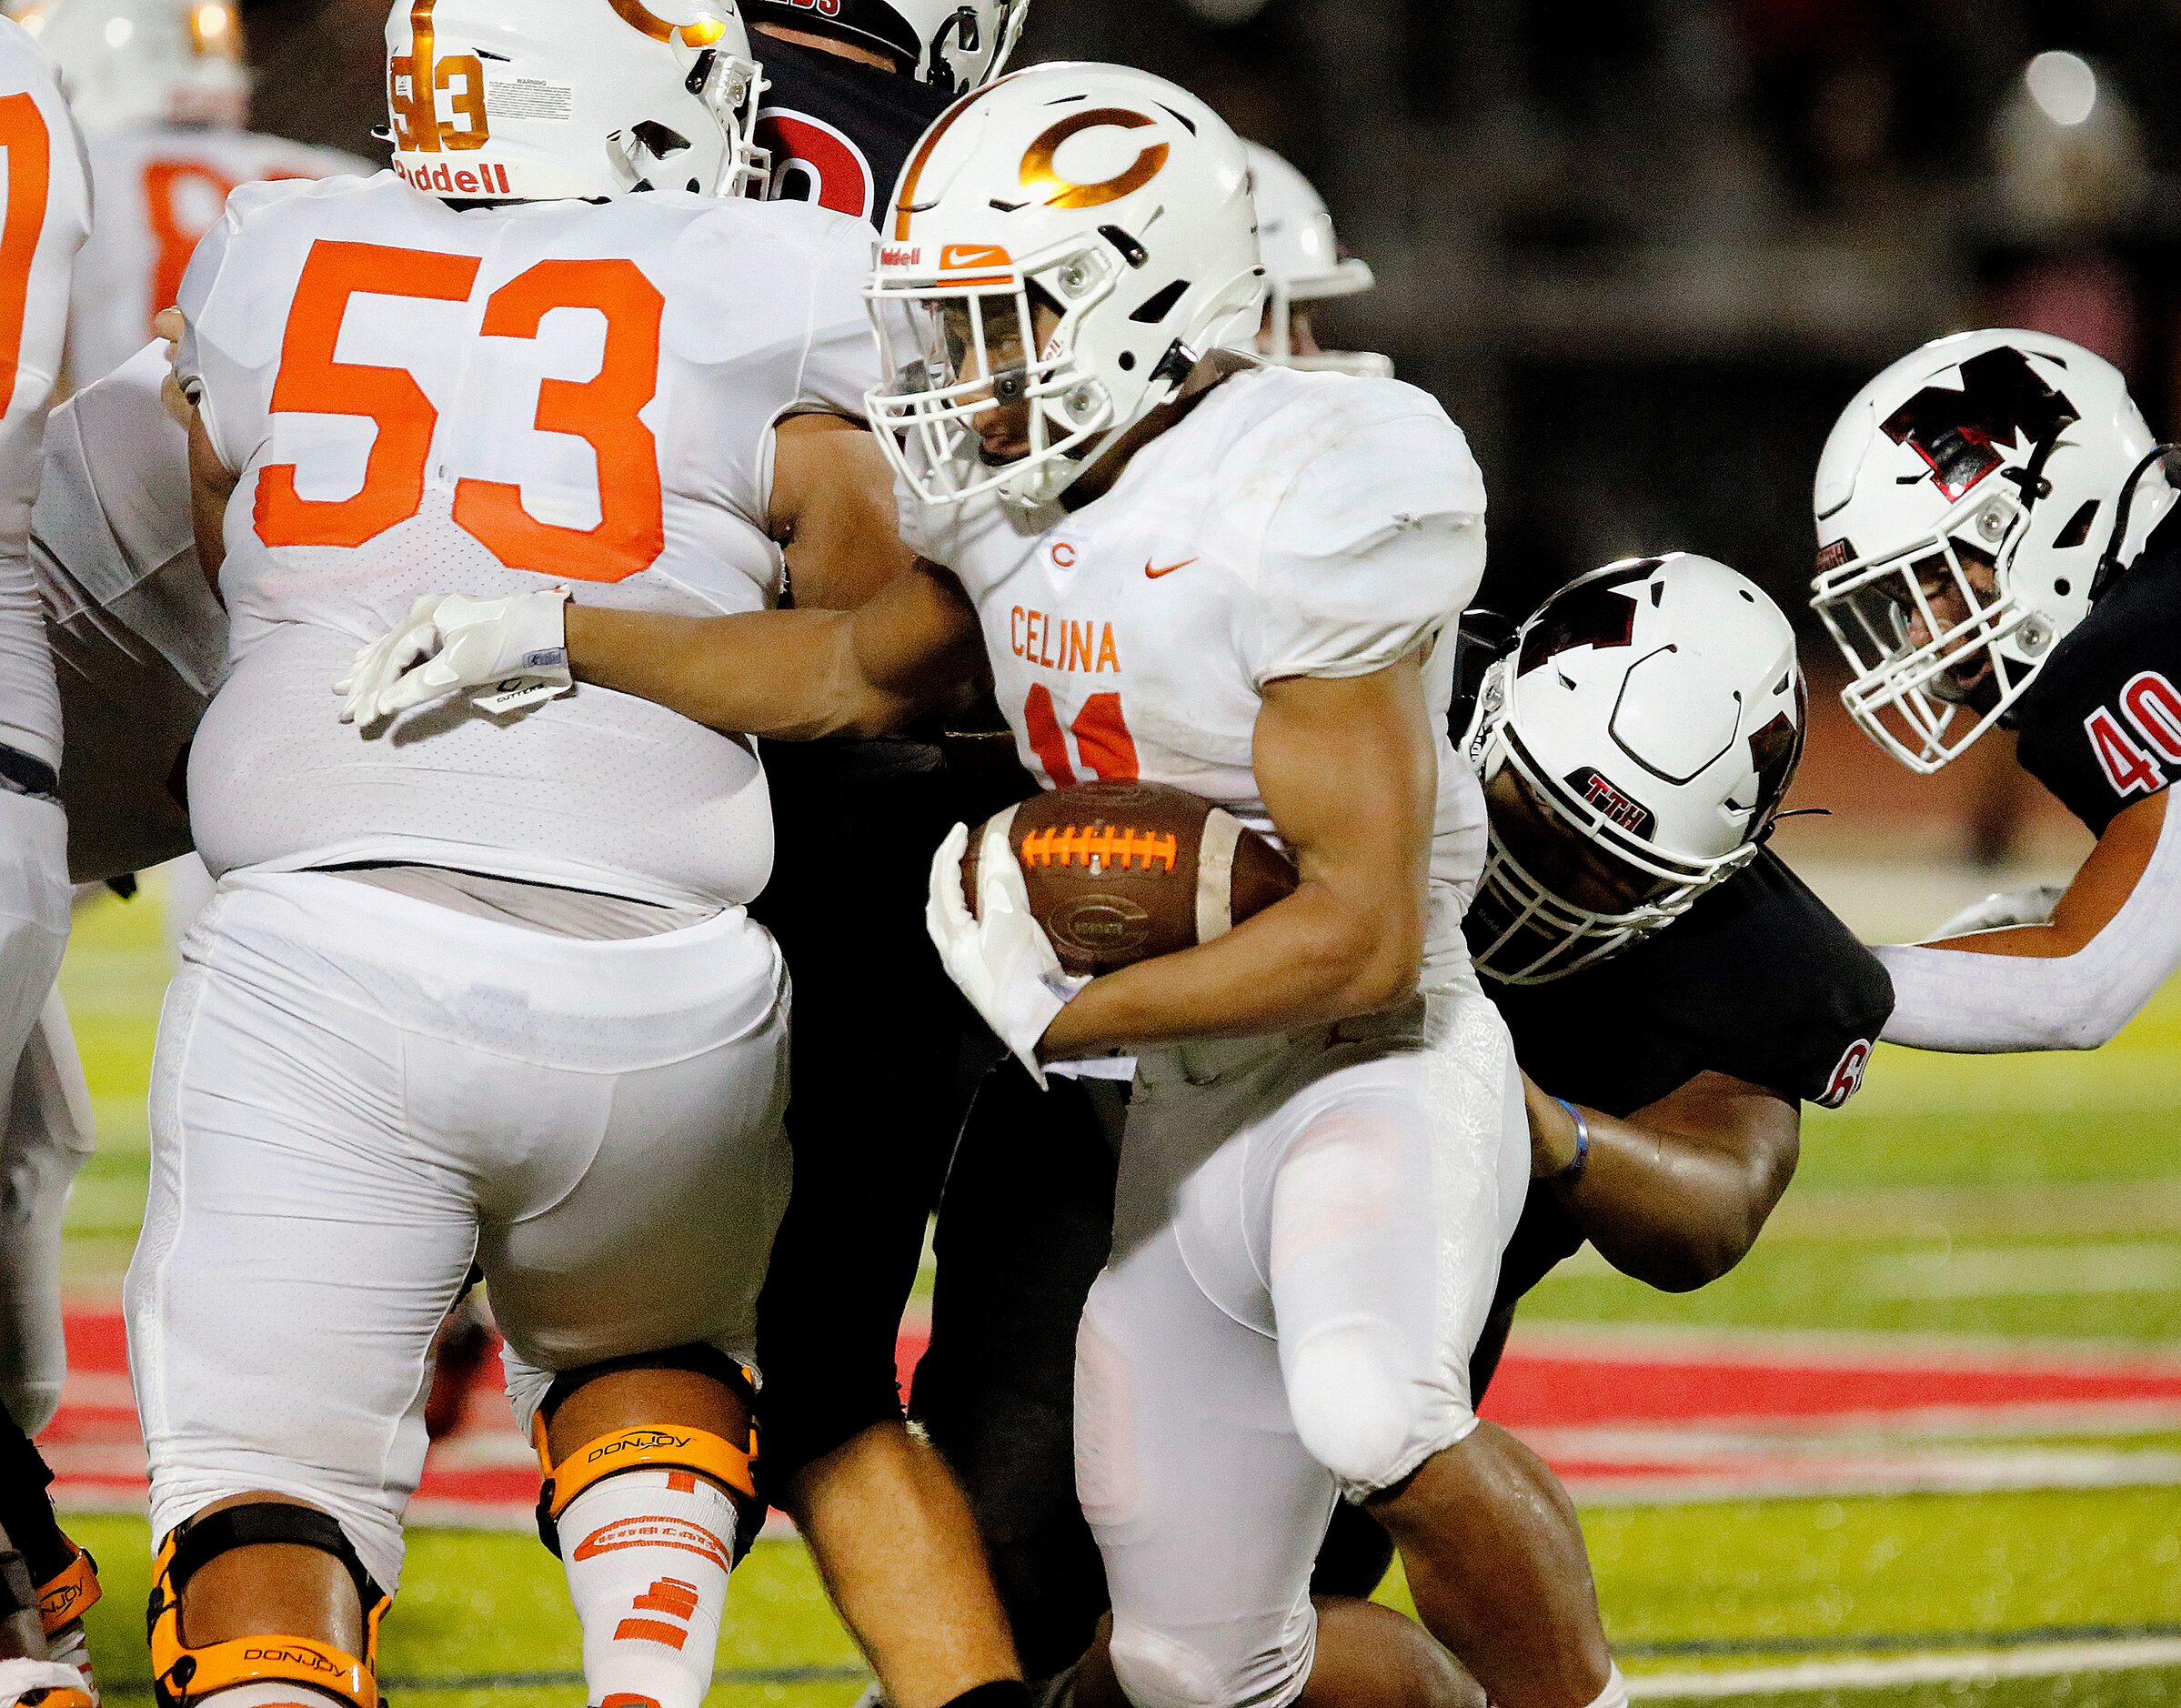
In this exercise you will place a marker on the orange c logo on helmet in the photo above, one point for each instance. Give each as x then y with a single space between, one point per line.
704 33
1038 172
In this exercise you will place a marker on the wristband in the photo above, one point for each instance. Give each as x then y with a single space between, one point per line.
1574 1171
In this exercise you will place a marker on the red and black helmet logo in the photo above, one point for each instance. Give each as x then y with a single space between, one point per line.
1956 432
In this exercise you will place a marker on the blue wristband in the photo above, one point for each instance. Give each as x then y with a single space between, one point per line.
1574 1171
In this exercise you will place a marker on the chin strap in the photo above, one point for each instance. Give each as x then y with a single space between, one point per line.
2109 564
184 1673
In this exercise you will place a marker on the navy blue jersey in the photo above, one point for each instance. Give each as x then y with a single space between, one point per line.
2101 726
838 131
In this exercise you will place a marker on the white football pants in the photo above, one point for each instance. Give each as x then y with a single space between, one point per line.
355 1093
47 1131
1306 1243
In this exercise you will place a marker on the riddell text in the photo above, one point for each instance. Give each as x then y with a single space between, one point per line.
1060 644
486 180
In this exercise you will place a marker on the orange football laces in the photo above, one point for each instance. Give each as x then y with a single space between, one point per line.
1100 844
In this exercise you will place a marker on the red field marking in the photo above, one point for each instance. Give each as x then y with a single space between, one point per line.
1617 1419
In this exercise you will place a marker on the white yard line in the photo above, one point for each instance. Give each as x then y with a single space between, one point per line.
2053 1659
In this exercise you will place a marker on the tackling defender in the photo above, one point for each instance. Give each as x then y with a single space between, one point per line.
1997 546
1258 564
437 1010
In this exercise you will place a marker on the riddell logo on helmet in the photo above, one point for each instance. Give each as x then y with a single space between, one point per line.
442 180
1602 798
902 257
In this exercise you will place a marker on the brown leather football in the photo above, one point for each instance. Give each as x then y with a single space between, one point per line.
1119 872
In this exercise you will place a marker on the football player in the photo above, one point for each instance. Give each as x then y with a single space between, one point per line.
1189 568
1305 262
1997 547
1660 970
484 987
161 91
45 219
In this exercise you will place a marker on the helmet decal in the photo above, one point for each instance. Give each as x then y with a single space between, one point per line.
703 33
1039 172
2001 398
1590 787
416 122
1592 613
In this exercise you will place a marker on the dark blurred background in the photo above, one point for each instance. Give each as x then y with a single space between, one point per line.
1643 250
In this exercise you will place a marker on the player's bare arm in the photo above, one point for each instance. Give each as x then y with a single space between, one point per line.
833 512
1347 770
790 675
1676 1193
2092 899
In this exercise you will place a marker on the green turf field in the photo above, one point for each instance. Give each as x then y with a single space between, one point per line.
2025 1199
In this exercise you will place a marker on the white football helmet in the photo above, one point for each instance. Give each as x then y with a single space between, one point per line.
955 45
1117 201
1303 263
550 99
1634 747
1971 502
145 62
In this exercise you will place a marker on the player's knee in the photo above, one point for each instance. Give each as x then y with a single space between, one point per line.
1360 1412
1157 1669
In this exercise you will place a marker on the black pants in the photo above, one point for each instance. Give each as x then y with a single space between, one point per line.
878 1079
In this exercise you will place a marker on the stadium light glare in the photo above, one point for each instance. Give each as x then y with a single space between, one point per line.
2064 87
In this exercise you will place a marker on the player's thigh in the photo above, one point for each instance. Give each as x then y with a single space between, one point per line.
662 1239
301 1243
1393 1184
1207 1508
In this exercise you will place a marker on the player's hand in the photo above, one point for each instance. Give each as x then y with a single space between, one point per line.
516 647
999 955
169 324
2000 909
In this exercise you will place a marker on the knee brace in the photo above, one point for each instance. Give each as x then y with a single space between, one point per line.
183 1672
64 1599
42 1684
669 1447
1361 1416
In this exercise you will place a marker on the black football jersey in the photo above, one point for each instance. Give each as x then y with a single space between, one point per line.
838 131
2101 726
1759 980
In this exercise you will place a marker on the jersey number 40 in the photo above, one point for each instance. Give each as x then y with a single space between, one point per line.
602 411
2152 705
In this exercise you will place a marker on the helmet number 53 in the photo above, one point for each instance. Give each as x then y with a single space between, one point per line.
603 411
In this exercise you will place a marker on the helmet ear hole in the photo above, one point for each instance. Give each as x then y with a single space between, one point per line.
2078 526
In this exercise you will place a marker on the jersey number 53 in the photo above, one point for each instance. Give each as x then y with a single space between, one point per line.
602 411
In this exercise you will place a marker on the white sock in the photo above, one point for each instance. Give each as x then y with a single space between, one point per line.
1615 1693
68 1645
647 1555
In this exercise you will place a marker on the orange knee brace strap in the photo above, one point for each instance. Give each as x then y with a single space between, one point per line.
674 1447
67 1596
183 1672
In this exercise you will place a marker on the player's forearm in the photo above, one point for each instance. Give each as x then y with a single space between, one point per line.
788 675
1308 960
1988 1004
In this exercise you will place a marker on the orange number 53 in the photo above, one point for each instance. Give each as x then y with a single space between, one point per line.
29 160
603 412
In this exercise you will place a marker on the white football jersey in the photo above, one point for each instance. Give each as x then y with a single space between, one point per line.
42 227
159 189
137 639
420 399
1291 525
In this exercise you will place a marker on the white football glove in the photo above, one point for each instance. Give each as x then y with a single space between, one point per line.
999 956
449 642
1998 910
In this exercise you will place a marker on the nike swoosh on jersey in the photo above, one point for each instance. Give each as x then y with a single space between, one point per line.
1153 574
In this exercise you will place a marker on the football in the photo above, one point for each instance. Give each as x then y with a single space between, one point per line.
1121 871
